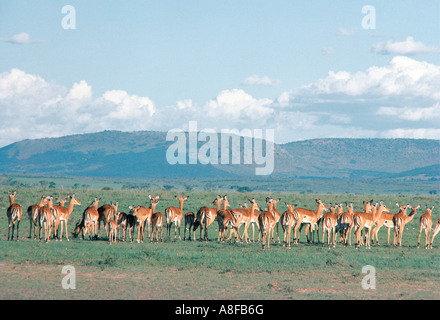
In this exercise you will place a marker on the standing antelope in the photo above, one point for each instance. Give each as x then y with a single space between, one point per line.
267 223
287 222
367 220
62 215
277 217
206 216
143 215
33 213
190 219
434 233
399 221
385 220
46 219
157 222
250 216
175 215
107 212
14 213
113 229
346 224
426 224
307 216
89 223
329 220
127 221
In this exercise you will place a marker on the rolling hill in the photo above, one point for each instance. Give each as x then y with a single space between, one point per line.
143 154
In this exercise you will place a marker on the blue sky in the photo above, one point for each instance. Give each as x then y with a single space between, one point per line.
155 65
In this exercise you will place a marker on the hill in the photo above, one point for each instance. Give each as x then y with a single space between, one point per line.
143 154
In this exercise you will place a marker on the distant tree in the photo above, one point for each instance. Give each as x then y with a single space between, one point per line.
52 185
44 184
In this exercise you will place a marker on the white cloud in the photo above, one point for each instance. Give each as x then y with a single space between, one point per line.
420 133
411 114
255 80
345 32
407 47
401 76
21 38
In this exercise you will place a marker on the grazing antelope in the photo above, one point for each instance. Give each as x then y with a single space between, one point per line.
127 221
62 215
33 213
399 221
14 213
206 216
225 219
190 219
307 216
426 225
367 220
434 233
329 220
175 215
113 229
107 212
267 223
287 222
143 215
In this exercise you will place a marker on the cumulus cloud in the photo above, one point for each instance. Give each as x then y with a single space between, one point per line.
398 99
21 38
407 47
401 76
255 80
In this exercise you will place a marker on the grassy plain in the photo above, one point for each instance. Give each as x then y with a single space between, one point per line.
30 269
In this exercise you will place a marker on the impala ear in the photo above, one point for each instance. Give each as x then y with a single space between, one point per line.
149 196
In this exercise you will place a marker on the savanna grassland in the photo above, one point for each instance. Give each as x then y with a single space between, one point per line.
32 269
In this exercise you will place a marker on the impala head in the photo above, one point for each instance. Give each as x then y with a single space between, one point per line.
12 196
382 206
367 205
413 209
290 207
402 208
429 210
244 205
43 201
321 205
217 200
62 202
74 200
115 205
226 202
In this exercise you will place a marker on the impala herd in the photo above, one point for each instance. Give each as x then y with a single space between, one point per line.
52 219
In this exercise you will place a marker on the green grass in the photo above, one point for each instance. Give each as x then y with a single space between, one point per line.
228 270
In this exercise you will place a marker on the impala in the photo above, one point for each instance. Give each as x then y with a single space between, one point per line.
107 212
14 213
385 220
346 224
113 229
329 220
267 223
307 216
227 220
426 224
436 230
399 221
190 219
90 220
367 220
127 221
143 215
46 219
62 202
157 222
62 215
33 212
287 222
277 217
206 216
250 216
175 215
